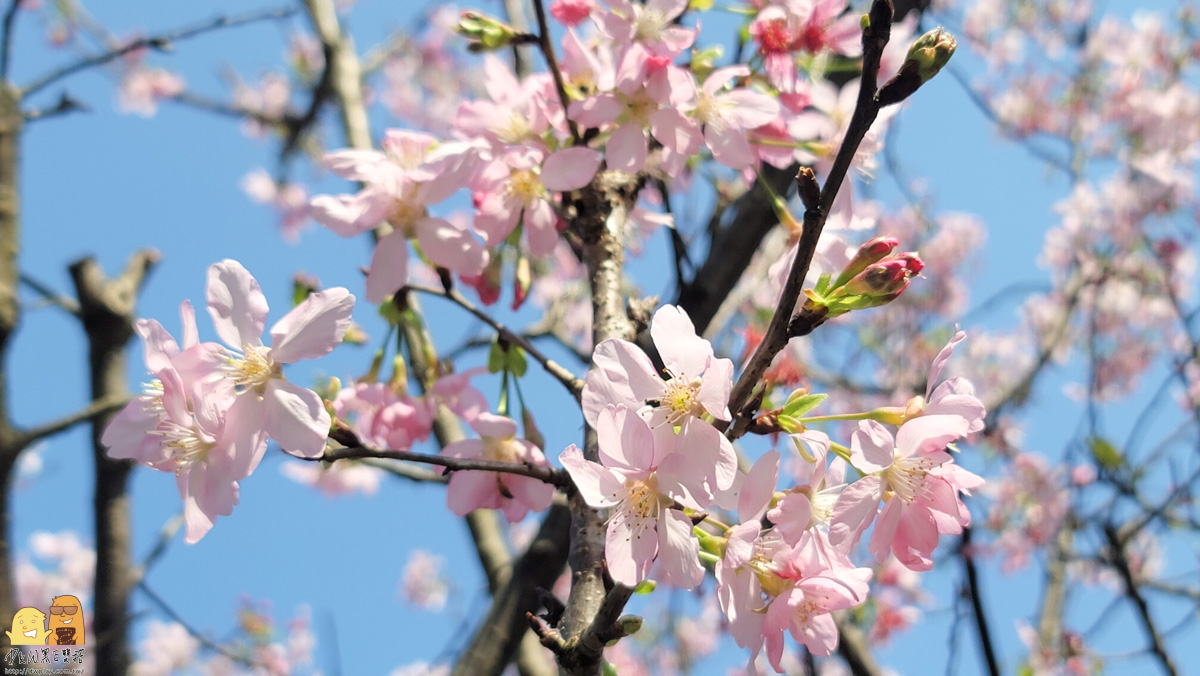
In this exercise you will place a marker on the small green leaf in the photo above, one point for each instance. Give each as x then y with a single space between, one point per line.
609 669
700 5
789 424
799 403
1105 453
497 358
517 363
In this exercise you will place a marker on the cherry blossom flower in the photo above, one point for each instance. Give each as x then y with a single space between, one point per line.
253 372
699 384
513 494
641 477
519 187
339 478
422 583
400 182
571 12
726 115
651 24
917 482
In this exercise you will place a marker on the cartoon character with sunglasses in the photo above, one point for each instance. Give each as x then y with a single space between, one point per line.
66 621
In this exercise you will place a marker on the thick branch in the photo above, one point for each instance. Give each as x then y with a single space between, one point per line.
161 42
11 122
344 71
853 648
6 37
107 312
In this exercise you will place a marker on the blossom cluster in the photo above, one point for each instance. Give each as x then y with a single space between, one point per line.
208 412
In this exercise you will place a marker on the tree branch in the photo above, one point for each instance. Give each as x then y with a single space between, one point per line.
866 109
547 49
161 42
66 303
1121 562
573 384
96 409
6 38
549 475
967 554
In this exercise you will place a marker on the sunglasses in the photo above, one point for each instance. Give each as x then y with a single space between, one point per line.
63 610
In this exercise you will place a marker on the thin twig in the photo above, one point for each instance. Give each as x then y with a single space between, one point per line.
548 475
1121 563
195 633
68 304
161 42
547 49
967 554
96 409
560 372
6 39
66 105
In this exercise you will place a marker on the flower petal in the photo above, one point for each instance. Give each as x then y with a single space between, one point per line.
236 303
296 418
570 169
313 328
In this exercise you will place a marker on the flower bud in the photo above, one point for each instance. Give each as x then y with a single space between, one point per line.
485 33
629 624
931 51
871 252
522 280
927 55
879 279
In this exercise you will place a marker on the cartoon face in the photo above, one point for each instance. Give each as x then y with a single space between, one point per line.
66 621
28 628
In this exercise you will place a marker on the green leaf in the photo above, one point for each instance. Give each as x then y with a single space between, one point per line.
1107 455
789 424
497 358
799 403
517 363
700 5
609 669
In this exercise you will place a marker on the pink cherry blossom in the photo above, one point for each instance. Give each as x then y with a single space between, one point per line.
400 182
343 477
264 401
726 115
640 476
699 384
512 494
651 24
382 419
571 12
519 188
917 482
647 95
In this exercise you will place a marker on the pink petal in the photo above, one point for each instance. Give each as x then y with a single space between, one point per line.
625 440
679 551
244 435
854 510
759 487
621 374
540 232
596 111
236 303
313 328
629 550
675 131
352 215
570 169
296 418
939 362
929 434
494 426
682 351
715 387
792 516
451 246
720 77
872 448
128 435
598 486
389 267
534 494
160 346
469 491
751 109
729 146
627 149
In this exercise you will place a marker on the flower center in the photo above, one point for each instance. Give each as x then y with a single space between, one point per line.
679 398
151 398
906 477
184 445
822 506
638 107
501 450
253 368
775 36
526 186
405 213
515 129
648 26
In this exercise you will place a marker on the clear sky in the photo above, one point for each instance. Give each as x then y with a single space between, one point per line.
104 184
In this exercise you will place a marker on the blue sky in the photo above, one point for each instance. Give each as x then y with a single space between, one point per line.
104 184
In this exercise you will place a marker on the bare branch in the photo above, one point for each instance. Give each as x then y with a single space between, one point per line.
96 409
67 303
547 49
161 42
875 38
548 475
560 373
6 37
66 105
967 554
195 633
1121 563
